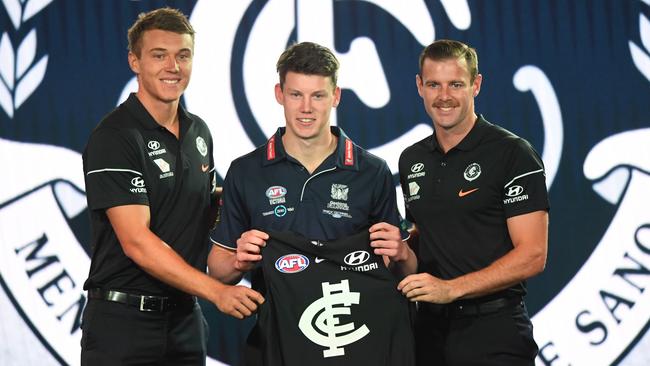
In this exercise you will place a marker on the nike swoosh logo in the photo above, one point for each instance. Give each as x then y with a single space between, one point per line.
318 260
205 167
463 194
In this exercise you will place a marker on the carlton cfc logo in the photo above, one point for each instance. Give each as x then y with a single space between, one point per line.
292 263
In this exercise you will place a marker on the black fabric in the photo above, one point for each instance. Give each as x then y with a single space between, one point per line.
502 337
299 273
130 159
118 334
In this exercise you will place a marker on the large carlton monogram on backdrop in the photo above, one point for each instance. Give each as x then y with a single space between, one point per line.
573 78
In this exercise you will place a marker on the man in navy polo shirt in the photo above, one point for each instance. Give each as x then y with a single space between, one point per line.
150 188
478 198
309 178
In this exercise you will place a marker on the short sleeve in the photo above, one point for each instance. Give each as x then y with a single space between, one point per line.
113 171
524 189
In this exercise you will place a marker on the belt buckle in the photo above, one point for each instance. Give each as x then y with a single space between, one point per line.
143 300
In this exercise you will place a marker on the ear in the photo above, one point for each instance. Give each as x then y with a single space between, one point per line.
337 97
134 63
476 86
418 83
279 96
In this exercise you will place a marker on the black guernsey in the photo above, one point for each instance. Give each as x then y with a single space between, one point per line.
332 303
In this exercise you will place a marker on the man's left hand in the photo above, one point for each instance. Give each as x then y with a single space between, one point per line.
427 288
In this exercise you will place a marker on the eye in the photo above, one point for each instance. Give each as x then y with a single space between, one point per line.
457 85
432 85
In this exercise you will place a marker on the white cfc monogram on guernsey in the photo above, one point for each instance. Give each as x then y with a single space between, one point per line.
327 321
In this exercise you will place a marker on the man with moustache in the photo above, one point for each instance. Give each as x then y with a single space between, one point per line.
477 196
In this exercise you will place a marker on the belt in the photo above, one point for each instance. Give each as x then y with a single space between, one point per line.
142 302
470 308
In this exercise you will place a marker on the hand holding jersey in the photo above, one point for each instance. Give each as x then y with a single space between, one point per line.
386 239
249 247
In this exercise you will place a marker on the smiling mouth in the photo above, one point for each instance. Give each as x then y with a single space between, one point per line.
170 82
306 120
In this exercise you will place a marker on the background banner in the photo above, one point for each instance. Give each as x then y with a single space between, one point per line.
572 77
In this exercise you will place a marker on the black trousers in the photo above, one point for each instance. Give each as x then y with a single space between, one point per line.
118 334
503 337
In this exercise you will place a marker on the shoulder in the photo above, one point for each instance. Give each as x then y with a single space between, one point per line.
370 161
251 160
504 139
417 148
117 124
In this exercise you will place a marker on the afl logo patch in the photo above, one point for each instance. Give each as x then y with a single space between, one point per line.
292 263
472 172
276 192
201 146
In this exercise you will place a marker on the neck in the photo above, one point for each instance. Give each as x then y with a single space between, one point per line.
310 153
449 138
164 113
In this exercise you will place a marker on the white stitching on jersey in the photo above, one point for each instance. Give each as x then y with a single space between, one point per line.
113 170
523 175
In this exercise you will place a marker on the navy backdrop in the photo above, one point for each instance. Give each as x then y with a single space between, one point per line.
572 77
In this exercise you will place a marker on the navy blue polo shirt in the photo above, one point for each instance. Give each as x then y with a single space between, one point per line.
131 159
269 190
460 200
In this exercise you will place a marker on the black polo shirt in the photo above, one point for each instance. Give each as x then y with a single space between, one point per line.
269 190
460 200
131 159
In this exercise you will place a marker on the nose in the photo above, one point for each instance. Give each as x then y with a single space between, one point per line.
172 64
444 93
305 106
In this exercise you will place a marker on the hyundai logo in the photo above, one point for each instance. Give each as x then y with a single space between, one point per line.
137 182
356 258
417 167
153 145
515 191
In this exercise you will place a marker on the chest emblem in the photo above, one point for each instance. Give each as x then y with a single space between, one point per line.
472 171
276 194
201 146
339 192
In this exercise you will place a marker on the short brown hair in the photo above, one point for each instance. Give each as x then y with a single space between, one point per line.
444 49
310 59
166 19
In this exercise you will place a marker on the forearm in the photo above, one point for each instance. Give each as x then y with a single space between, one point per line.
158 259
222 265
509 270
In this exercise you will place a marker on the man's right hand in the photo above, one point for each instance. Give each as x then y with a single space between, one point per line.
249 247
238 301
